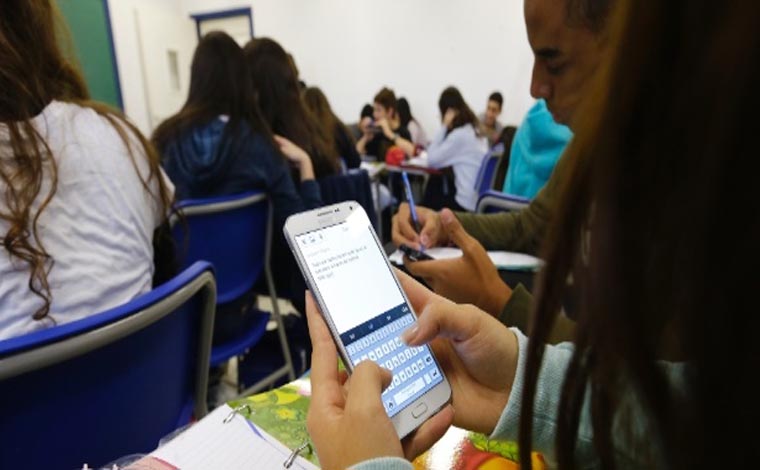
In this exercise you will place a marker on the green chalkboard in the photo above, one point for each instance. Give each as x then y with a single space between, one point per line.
90 29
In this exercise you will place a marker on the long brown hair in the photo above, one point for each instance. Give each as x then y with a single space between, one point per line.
33 73
451 98
219 85
276 86
661 186
316 102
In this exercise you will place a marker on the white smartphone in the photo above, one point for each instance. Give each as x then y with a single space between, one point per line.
365 308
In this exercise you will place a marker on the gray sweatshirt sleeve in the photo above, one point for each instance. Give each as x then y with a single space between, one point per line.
383 463
556 360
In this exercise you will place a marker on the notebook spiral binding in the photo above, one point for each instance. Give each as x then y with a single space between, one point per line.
306 446
235 411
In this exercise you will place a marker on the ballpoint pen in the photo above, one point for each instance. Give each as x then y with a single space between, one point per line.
412 207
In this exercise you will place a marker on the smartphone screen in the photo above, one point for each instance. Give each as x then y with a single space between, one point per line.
366 306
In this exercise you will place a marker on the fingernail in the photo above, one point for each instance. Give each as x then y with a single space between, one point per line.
408 335
424 241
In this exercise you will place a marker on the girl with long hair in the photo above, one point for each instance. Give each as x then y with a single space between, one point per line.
81 189
331 125
275 82
416 131
458 144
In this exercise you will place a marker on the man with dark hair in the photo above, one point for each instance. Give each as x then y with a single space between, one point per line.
568 39
490 126
386 130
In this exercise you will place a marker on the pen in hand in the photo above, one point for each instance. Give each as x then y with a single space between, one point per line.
412 208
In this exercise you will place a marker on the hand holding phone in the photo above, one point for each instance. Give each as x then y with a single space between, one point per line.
365 308
337 415
334 419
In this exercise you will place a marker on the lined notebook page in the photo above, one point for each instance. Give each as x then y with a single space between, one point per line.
236 445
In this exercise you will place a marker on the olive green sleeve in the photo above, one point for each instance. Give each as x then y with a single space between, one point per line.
518 313
523 230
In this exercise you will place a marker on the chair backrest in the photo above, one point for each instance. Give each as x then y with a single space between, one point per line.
496 201
234 233
484 180
353 186
109 385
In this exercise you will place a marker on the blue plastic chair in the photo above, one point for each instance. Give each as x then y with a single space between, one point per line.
109 385
352 186
487 172
235 234
496 201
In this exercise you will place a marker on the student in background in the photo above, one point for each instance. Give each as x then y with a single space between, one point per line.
276 86
489 120
81 189
661 201
330 124
419 137
536 147
459 145
386 130
218 144
363 124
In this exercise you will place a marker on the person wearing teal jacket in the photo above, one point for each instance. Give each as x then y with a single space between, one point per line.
538 144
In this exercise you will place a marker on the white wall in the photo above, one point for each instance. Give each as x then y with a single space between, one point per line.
351 48
131 74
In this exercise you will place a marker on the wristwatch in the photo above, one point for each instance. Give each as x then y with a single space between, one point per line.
395 137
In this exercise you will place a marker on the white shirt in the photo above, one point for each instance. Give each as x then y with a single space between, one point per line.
463 150
419 137
98 227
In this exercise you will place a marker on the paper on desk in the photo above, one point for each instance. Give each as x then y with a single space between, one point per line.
372 168
506 260
416 161
213 444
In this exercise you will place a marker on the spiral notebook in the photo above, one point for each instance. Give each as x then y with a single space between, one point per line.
223 440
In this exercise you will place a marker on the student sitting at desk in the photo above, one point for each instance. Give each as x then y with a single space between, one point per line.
490 126
218 144
458 144
661 375
331 125
386 130
82 189
416 131
275 83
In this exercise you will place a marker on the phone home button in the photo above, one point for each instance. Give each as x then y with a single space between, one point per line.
419 410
